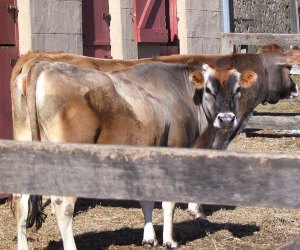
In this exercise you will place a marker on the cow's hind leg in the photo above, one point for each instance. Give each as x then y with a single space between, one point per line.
168 235
149 238
20 204
196 211
64 209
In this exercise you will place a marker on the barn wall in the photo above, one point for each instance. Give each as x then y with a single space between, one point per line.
121 30
24 21
199 26
57 25
270 16
51 25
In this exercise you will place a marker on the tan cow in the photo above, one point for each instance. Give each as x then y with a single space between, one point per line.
151 104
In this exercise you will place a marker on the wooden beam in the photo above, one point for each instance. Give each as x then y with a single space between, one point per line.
291 123
294 16
140 173
146 13
257 39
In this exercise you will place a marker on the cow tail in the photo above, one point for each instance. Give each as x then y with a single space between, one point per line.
31 82
36 216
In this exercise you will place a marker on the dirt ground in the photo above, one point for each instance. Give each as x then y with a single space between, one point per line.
119 224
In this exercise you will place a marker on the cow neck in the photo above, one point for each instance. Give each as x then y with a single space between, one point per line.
205 126
246 115
266 76
207 132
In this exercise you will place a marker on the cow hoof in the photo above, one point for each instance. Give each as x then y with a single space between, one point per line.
149 243
171 245
195 215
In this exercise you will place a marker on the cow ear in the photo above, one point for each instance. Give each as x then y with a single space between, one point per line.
293 57
247 78
197 79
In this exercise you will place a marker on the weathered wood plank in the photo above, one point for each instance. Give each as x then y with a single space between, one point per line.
257 39
294 16
276 113
139 173
258 122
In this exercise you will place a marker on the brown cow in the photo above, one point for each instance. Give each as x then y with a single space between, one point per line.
151 104
272 66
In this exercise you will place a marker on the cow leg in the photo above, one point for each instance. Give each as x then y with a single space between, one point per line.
149 238
20 203
168 240
64 209
196 211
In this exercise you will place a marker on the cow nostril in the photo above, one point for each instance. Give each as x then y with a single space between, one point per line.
220 118
232 119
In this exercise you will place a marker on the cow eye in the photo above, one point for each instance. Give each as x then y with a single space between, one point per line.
207 90
238 90
237 93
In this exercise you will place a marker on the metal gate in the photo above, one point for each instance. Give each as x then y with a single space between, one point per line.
95 28
8 56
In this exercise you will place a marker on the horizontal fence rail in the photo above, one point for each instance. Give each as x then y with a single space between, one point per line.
150 173
228 40
283 121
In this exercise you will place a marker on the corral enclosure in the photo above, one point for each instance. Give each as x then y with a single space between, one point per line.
118 225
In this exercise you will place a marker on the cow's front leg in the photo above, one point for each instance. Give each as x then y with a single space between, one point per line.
149 238
196 211
20 204
168 235
64 209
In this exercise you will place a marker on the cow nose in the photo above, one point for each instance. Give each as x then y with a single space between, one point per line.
225 120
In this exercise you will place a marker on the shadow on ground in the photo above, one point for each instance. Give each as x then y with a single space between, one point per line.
184 232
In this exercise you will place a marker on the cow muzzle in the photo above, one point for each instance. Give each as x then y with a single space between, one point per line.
225 120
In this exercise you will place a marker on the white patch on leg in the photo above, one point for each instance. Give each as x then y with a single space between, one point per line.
195 210
168 208
21 221
149 237
64 207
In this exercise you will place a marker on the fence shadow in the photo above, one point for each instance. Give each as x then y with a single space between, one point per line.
184 232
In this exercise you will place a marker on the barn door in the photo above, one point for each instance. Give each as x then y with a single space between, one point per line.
150 21
155 21
172 46
95 28
8 56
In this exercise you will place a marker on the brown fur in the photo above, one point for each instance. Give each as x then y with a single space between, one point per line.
197 79
223 75
271 48
247 78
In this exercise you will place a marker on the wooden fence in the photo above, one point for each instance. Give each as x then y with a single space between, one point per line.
136 173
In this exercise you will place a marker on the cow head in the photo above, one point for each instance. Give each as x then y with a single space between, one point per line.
221 91
278 64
